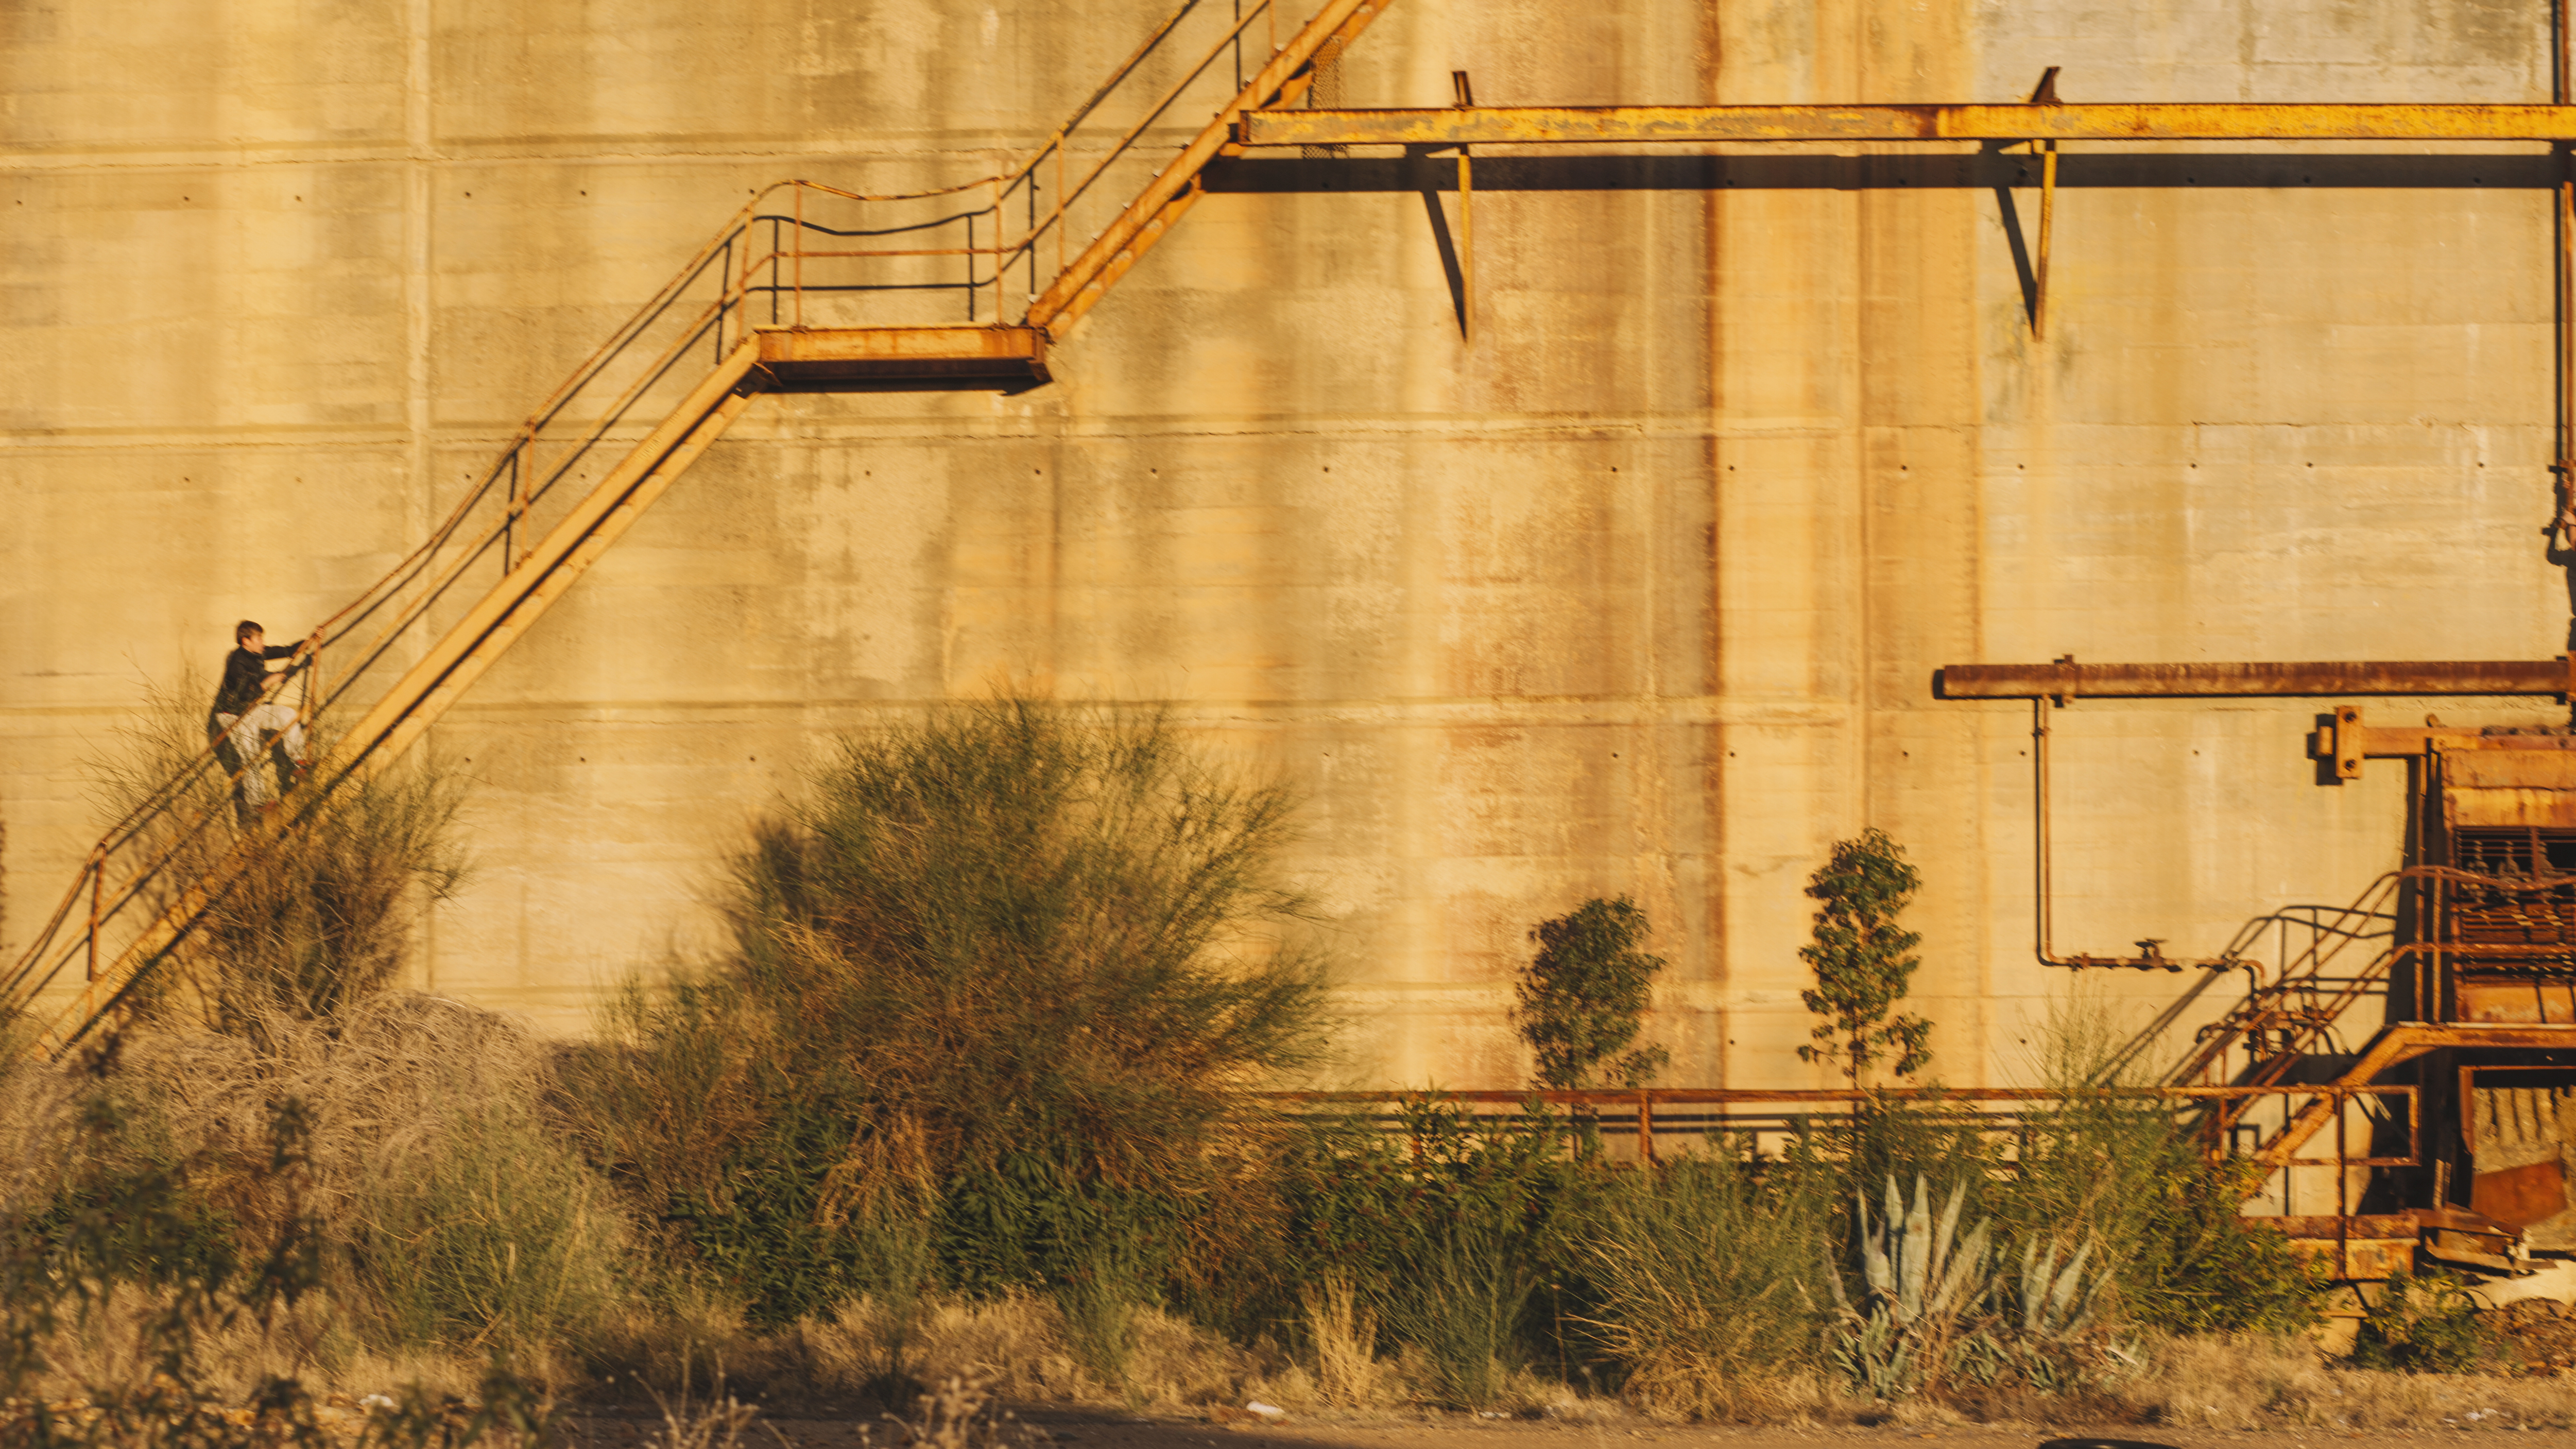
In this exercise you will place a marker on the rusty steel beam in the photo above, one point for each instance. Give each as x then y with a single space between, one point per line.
2154 121
2065 679
824 358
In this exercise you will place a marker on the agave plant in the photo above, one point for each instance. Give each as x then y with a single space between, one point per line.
1921 1277
2056 1303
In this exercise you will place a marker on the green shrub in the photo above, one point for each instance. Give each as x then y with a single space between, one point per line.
2126 1172
1450 1232
1020 960
2425 1323
486 1236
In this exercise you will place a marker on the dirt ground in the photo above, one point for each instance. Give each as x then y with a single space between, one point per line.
1058 1428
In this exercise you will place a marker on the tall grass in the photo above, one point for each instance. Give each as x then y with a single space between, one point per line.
163 1287
1709 1291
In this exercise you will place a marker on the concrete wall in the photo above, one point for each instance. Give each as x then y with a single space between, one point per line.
1640 593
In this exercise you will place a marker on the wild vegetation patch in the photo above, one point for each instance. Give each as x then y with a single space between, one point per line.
970 1101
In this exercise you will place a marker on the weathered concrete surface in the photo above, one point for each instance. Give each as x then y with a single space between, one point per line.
1641 593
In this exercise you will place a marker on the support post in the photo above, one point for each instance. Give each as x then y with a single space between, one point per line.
2047 233
2562 215
2044 94
2343 1204
1466 219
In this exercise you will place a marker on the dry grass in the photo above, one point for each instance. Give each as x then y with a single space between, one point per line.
1673 1384
453 1222
1342 1335
2253 1383
717 1421
1015 1347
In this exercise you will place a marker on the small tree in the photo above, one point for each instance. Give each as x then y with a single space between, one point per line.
1863 960
1582 998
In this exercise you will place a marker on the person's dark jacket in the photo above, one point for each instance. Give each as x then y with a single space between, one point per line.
246 677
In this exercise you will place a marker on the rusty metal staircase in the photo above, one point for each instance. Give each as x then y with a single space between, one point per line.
791 295
2283 1022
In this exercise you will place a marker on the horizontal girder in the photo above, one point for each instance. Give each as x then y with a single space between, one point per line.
2120 121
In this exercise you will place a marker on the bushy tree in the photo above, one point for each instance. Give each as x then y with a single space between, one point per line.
1584 995
1864 960
1002 977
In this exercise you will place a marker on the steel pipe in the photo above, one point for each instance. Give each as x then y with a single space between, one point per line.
2066 679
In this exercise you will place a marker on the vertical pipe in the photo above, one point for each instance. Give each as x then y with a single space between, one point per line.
2563 225
1061 220
2343 1210
1646 1126
970 269
2039 775
1466 247
799 312
2047 231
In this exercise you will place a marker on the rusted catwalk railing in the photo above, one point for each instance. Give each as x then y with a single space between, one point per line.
787 296
1654 1120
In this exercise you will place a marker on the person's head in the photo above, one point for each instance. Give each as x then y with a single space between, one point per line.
249 635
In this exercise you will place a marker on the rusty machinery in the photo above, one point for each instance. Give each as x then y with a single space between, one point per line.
2477 969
